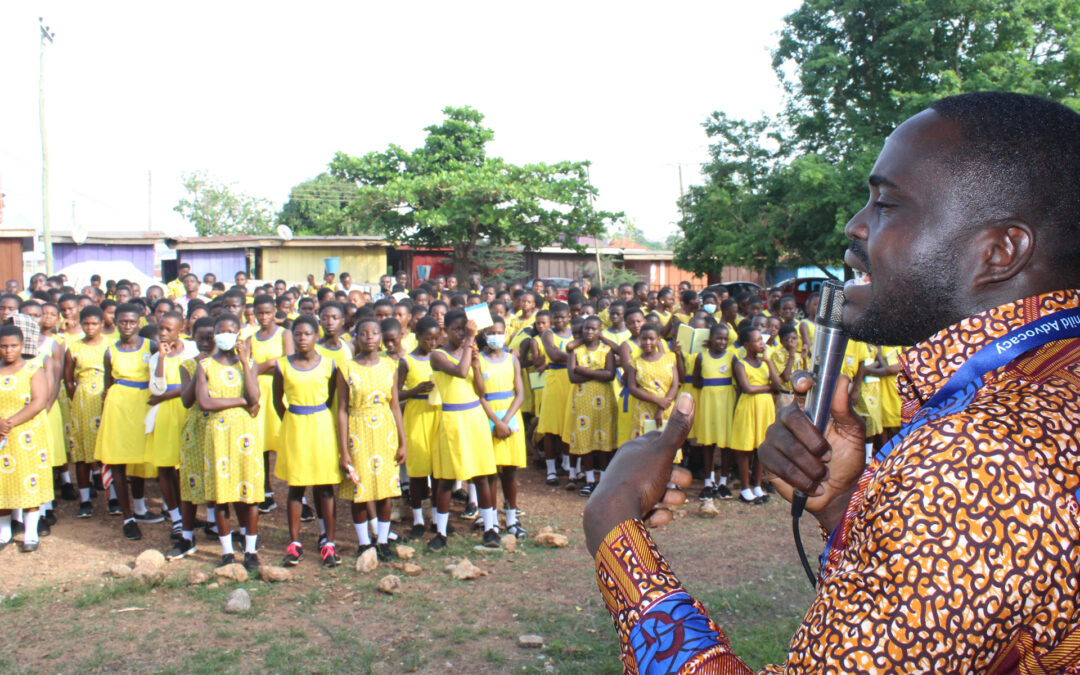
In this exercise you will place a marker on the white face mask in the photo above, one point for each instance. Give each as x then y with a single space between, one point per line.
709 309
496 341
225 341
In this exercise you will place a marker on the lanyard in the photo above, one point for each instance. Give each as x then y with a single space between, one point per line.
961 388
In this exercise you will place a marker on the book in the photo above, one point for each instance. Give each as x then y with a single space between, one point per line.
481 314
536 380
692 340
433 397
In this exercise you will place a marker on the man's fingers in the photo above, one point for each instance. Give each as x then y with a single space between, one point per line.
673 498
801 381
658 517
804 431
678 425
681 477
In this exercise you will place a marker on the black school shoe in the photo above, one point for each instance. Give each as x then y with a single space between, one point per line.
384 552
307 514
132 531
28 547
49 517
415 532
148 517
86 510
251 562
43 528
267 505
114 508
491 539
181 549
437 543
68 492
722 492
227 559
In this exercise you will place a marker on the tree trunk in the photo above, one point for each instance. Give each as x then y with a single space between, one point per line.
462 259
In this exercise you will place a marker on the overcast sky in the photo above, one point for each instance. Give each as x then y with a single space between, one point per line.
263 94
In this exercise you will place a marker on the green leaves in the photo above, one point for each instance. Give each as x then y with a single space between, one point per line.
318 207
214 209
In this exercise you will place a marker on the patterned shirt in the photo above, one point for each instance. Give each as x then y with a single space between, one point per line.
959 552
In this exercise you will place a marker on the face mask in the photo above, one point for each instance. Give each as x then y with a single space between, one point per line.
225 341
496 341
765 337
709 309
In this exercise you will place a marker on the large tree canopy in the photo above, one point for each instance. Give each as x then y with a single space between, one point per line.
215 208
779 191
450 194
318 206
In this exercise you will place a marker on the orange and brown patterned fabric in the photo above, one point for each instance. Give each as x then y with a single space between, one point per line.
959 552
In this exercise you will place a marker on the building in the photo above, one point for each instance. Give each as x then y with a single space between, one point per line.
134 247
12 245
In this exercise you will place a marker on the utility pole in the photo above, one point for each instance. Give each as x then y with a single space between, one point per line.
46 232
682 195
596 242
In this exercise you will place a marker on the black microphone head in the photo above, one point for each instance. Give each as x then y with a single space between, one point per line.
830 310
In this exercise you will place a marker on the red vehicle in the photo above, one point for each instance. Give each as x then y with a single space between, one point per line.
561 284
800 288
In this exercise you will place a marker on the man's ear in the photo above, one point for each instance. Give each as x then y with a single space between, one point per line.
1004 249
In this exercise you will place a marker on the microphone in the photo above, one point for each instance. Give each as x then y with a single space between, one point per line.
827 358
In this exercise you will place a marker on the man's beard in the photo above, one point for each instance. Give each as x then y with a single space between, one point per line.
913 306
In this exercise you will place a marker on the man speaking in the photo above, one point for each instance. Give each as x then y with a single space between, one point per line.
958 548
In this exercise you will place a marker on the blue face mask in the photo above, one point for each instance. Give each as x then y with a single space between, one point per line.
709 308
496 341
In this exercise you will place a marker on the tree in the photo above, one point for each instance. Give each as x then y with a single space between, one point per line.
214 208
450 194
628 229
613 274
318 206
780 190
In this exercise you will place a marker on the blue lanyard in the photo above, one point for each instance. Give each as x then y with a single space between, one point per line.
960 390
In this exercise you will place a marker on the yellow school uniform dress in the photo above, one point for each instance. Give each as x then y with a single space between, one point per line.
372 433
192 458
163 448
463 448
25 460
592 405
753 412
263 350
84 421
528 406
232 449
716 405
113 337
683 318
868 407
655 377
175 288
54 419
307 444
686 386
421 419
122 437
498 379
890 397
617 337
665 317
556 395
624 422
779 358
408 342
605 318
340 356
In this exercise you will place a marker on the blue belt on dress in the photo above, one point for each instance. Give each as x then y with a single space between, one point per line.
172 387
557 366
307 409
133 384
459 407
716 382
418 397
499 396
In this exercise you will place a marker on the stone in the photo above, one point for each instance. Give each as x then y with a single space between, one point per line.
465 570
233 572
213 585
404 552
390 584
274 574
530 641
239 601
545 529
150 558
119 571
551 539
508 542
148 575
196 577
368 561
411 569
708 509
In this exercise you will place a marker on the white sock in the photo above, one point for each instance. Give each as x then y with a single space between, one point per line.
65 477
30 519
550 465
303 500
188 535
47 506
128 520
322 526
251 543
457 485
211 515
384 531
112 491
722 480
84 494
747 494
374 526
362 533
590 477
441 519
5 528
490 517
269 494
472 493
758 492
578 469
17 514
418 516
710 481
174 515
226 544
138 504
243 531
566 462
511 517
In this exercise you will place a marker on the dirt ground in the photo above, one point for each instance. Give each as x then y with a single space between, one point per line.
60 612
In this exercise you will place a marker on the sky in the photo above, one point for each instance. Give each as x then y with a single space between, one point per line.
261 95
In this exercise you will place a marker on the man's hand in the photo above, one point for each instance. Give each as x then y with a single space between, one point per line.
825 467
635 483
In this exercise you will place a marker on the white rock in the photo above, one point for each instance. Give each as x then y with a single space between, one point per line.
235 572
238 601
119 571
390 584
551 539
368 561
150 558
530 641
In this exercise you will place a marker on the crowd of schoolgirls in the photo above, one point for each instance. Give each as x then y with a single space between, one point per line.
341 394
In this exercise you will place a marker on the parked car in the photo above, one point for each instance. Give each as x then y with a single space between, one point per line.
800 288
734 288
561 284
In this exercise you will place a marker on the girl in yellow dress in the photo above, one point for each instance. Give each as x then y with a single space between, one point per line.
371 437
653 380
890 397
269 343
628 351
421 418
712 374
556 389
163 445
503 391
754 412
591 368
227 388
84 381
464 449
25 460
121 440
307 445
191 453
